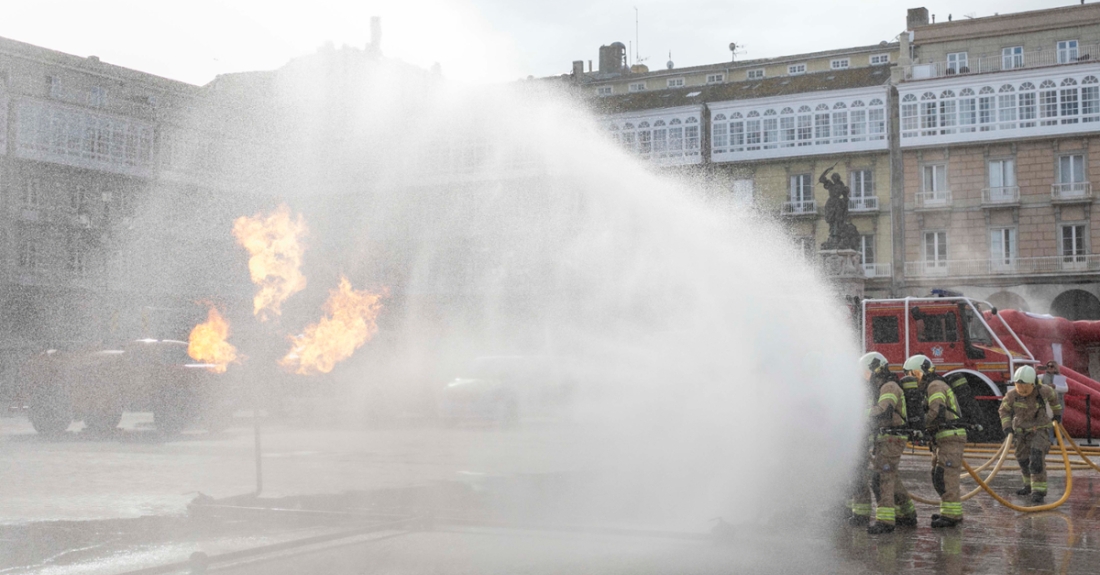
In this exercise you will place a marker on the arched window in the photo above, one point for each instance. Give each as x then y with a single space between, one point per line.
840 123
839 106
753 133
737 132
645 139
613 131
630 137
987 108
929 115
786 128
720 139
805 125
910 116
1006 108
1070 102
675 137
1048 103
968 110
1090 99
771 130
948 112
660 138
691 137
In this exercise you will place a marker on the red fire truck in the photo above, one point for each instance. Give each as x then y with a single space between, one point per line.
966 336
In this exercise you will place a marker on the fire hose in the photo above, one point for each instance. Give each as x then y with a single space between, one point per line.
999 457
1065 496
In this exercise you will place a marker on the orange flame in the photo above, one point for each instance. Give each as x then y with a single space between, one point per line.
276 256
208 343
348 324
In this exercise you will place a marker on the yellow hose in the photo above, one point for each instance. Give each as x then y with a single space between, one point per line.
1047 507
1081 454
992 474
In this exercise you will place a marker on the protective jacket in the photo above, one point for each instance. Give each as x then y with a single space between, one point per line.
1028 413
942 416
889 411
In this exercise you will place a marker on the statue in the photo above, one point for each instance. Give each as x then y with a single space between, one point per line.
842 232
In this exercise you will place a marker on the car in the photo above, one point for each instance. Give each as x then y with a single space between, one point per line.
504 389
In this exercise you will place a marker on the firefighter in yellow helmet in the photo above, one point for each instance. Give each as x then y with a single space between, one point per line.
947 436
887 420
1024 413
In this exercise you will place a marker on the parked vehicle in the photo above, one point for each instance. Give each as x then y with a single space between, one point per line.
97 386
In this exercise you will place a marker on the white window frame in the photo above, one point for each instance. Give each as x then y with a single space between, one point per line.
1003 248
840 64
675 83
796 69
1012 57
957 61
1077 158
939 244
1005 168
865 241
801 188
605 90
807 245
1078 240
933 184
743 192
877 59
756 74
1067 51
636 87
716 78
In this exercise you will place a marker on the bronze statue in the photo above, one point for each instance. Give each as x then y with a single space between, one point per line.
842 232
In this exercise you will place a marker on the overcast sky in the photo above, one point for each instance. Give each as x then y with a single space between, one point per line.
475 40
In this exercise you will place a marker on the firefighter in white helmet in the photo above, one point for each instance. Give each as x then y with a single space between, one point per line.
1024 413
887 417
947 438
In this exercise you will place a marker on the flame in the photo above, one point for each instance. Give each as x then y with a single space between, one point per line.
348 324
276 256
208 343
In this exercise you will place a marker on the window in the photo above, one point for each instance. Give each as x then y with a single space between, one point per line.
839 64
935 248
802 188
796 69
636 87
1073 243
1071 169
956 63
605 90
1067 51
1048 103
1002 248
757 74
716 78
938 327
884 329
1012 58
862 184
880 59
32 193
28 254
1069 101
807 248
1090 99
97 96
675 82
867 248
935 178
1002 174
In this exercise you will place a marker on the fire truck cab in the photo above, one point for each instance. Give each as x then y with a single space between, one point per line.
955 333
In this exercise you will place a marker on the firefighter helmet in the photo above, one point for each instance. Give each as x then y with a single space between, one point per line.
1025 374
920 362
873 361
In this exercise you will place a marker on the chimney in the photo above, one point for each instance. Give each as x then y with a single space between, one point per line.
578 70
916 17
375 35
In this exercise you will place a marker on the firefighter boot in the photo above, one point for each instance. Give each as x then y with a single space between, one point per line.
859 520
906 521
879 528
940 521
1037 496
1025 490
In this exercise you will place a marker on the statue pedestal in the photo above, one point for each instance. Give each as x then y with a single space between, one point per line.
844 270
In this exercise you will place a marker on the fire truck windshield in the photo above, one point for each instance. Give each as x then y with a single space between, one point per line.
975 328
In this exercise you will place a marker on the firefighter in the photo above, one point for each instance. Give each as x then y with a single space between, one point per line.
1024 413
947 438
888 420
964 394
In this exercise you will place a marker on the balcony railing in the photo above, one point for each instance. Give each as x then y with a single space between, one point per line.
800 208
877 270
863 204
1072 191
1000 63
937 199
1003 195
1005 266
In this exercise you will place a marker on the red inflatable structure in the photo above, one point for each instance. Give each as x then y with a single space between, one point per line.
1047 337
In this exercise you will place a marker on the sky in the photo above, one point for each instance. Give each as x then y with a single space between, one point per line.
476 41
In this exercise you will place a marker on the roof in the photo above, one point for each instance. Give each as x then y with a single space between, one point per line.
769 87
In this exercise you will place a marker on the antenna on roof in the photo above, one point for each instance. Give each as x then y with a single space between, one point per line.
637 44
736 49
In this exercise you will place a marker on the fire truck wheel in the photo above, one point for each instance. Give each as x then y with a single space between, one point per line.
103 420
50 414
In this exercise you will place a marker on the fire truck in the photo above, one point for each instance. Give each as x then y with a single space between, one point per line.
966 336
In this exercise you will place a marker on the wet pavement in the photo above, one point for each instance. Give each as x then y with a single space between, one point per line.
119 505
